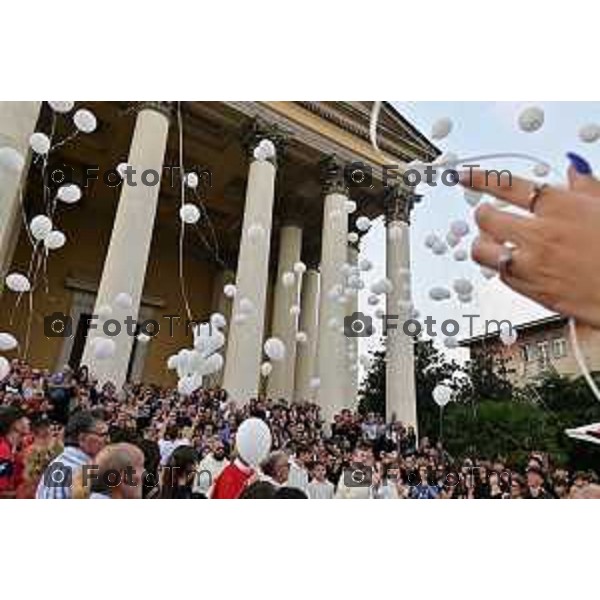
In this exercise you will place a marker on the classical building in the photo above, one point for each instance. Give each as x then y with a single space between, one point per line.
542 345
257 219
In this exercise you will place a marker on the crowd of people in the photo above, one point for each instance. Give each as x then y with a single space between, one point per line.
63 437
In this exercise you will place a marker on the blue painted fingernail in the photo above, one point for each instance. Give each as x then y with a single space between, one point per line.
581 165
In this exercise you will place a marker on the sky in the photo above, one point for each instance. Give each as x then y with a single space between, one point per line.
478 128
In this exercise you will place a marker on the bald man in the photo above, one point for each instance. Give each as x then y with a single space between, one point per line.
117 474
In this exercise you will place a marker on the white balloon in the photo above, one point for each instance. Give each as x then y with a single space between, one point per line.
230 290
266 369
452 239
189 213
441 128
294 310
16 282
488 273
299 268
40 227
124 300
192 180
430 240
207 344
61 106
382 286
350 206
8 342
531 119
459 228
288 279
268 147
363 223
104 348
253 441
442 394
365 265
143 338
353 237
301 337
55 240
541 170
472 197
104 312
246 306
39 142
85 120
188 384
172 362
508 336
275 349
439 293
314 383
460 254
11 159
4 368
213 364
69 193
589 133
121 168
256 232
439 247
218 320
462 286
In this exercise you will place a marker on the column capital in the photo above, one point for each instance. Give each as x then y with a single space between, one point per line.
167 108
398 203
256 131
332 175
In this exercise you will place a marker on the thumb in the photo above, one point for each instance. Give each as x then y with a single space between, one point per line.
580 176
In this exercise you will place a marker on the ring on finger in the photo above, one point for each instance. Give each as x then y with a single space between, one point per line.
505 261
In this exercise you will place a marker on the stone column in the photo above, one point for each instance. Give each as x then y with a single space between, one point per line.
245 343
306 354
332 349
400 376
129 248
352 342
17 123
285 324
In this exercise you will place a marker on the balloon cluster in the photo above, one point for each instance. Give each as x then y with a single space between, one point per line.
192 365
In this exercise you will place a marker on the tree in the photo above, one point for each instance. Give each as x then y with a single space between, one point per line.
431 368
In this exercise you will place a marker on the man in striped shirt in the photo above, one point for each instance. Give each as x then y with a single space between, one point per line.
85 435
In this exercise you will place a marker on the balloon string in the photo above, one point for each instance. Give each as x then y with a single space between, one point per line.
580 359
181 223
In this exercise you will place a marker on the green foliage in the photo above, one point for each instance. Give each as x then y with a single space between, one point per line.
490 417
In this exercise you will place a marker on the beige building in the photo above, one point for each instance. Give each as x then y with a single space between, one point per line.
542 345
257 219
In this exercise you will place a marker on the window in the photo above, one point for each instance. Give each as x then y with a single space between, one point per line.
527 352
543 354
559 347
